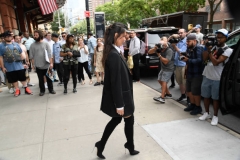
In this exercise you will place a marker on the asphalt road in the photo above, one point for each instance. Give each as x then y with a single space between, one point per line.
149 78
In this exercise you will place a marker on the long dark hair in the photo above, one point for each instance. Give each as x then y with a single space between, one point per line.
109 38
99 39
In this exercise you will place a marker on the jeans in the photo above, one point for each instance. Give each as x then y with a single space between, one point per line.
40 74
90 62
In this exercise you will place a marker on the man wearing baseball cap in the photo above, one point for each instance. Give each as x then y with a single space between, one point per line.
11 63
216 57
193 74
198 33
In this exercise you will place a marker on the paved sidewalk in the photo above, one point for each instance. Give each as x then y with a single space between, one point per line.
66 127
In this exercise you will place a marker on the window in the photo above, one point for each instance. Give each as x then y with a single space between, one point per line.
233 40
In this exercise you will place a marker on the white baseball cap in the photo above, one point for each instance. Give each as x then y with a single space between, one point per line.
223 31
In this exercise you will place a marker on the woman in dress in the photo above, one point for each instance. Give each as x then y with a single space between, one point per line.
98 54
117 98
83 62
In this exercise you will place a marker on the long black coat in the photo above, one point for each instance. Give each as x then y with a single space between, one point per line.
117 90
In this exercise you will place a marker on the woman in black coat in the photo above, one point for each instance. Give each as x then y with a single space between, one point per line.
117 97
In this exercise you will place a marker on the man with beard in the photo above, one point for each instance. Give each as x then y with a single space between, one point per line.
11 63
194 74
27 41
38 51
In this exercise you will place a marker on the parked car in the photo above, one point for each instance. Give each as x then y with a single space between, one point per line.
230 78
150 37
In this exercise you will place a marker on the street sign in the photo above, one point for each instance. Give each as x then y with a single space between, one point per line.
99 18
87 13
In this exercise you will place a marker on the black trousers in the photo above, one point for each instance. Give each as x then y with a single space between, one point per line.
41 73
136 71
59 68
66 74
173 80
80 71
128 129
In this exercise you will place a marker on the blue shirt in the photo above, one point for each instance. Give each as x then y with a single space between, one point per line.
56 52
195 62
92 43
182 45
14 66
28 42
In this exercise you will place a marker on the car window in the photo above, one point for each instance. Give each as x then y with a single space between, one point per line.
153 39
233 40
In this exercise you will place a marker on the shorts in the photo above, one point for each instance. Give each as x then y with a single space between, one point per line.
15 76
210 88
194 85
164 76
180 75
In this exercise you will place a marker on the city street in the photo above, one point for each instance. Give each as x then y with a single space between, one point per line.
66 127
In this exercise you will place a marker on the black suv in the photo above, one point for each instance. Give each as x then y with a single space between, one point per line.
230 78
150 37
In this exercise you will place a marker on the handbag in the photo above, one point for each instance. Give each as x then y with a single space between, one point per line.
130 62
76 53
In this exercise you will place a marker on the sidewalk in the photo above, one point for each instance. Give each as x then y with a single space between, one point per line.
66 127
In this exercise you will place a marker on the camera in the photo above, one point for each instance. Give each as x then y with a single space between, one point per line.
183 55
174 40
208 34
159 47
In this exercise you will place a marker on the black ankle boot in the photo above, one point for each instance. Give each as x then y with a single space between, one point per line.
100 149
131 149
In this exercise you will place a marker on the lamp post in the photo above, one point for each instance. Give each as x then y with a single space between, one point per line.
87 18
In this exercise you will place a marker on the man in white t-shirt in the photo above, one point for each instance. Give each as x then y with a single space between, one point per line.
198 33
216 58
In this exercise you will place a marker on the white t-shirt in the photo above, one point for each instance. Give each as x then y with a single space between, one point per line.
50 43
84 56
214 72
62 42
199 37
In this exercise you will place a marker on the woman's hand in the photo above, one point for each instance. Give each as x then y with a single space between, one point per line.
120 112
70 54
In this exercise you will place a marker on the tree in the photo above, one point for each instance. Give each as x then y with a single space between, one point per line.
213 8
54 23
171 6
81 27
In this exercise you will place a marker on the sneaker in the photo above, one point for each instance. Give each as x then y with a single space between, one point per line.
28 91
168 96
55 80
204 116
172 86
41 93
11 90
74 90
196 110
190 107
45 84
214 121
162 100
97 84
65 91
156 99
182 98
17 92
52 92
30 84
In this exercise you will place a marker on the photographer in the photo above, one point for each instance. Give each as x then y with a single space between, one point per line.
165 54
193 59
70 62
180 65
216 57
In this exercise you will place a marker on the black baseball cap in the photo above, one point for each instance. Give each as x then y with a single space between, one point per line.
7 33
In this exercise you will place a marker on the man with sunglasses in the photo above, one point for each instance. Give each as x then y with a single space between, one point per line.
64 37
216 57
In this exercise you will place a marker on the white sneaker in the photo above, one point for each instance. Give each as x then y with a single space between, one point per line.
204 116
214 121
45 84
11 90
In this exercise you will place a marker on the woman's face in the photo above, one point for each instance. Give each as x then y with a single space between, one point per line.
121 39
80 41
99 42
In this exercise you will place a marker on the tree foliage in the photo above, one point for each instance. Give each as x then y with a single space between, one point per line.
213 8
81 27
55 24
133 11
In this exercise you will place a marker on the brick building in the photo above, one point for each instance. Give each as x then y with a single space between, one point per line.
222 17
23 15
